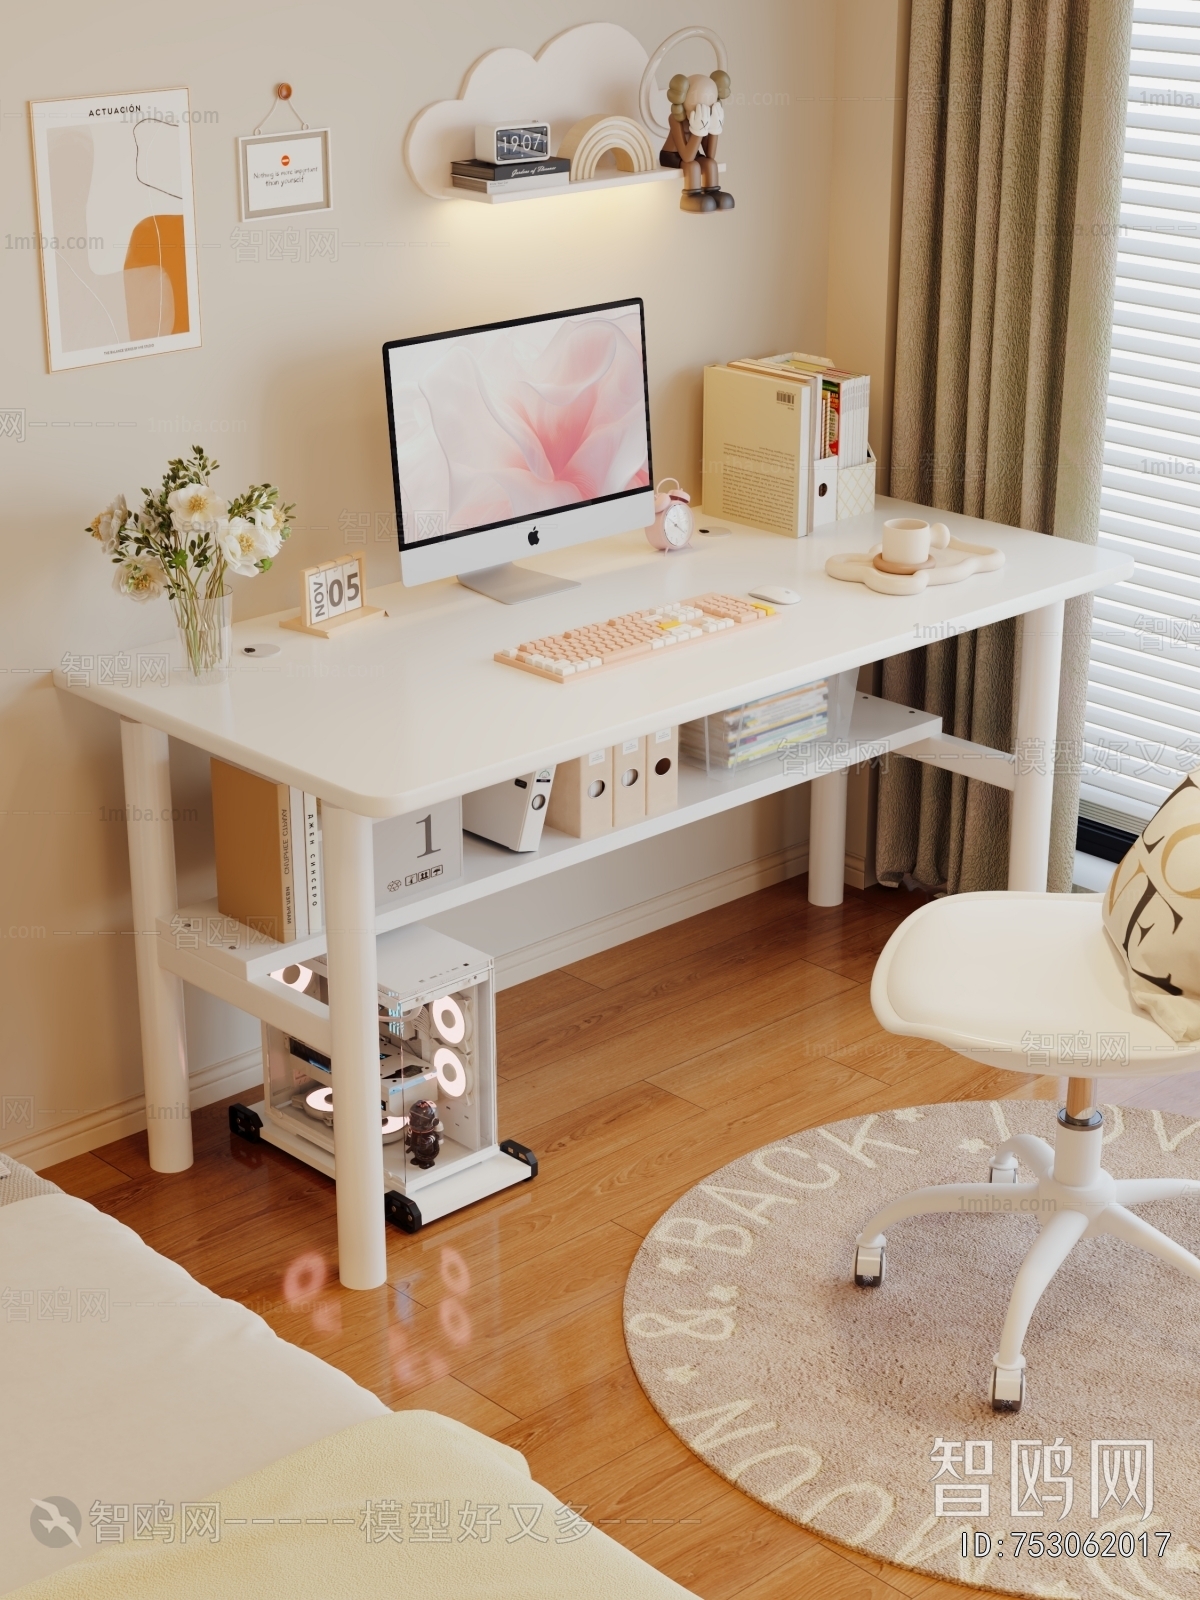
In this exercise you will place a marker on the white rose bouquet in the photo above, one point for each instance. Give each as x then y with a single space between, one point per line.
185 540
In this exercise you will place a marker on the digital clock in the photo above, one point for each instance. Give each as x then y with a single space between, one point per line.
525 141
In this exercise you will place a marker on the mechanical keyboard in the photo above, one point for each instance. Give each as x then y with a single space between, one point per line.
563 657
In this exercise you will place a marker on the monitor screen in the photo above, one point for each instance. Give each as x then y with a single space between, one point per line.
497 424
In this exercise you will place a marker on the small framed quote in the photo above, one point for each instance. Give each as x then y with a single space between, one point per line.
285 174
332 595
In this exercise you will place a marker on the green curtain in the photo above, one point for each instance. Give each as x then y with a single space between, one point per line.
1012 181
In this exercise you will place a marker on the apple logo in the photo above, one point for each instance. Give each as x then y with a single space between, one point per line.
533 536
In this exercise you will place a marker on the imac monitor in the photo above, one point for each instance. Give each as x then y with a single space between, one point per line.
532 434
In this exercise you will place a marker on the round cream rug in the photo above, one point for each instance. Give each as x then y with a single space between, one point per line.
863 1414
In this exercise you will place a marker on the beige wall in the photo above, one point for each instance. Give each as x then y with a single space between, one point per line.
287 387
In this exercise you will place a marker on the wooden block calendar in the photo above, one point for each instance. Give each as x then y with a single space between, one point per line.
331 595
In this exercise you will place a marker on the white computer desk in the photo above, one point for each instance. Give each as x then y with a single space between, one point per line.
407 709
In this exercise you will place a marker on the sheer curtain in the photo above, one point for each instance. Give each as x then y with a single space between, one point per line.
1012 184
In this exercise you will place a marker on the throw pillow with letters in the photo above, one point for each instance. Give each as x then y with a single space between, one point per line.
1152 914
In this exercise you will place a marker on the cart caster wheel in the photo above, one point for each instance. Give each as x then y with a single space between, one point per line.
520 1152
870 1265
1003 1174
245 1123
402 1212
1008 1388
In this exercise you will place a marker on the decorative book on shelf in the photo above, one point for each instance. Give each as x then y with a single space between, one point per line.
255 851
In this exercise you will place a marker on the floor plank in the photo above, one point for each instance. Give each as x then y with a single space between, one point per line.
539 996
454 1399
88 1176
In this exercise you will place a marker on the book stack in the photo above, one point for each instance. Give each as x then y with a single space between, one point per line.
786 456
267 839
760 728
511 177
795 363
845 401
845 404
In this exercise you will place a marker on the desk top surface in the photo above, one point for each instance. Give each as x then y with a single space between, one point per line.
402 711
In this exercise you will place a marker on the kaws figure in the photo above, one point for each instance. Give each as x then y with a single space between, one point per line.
422 1141
697 117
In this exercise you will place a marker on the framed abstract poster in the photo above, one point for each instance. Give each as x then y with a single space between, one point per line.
117 226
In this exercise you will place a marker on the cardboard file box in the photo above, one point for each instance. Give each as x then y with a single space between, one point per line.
581 803
629 782
662 771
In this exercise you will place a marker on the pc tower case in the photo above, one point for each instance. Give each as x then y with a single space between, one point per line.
437 1080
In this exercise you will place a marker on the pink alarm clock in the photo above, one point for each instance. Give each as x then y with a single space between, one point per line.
672 526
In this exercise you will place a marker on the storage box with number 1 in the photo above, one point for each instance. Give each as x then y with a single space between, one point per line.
424 847
331 595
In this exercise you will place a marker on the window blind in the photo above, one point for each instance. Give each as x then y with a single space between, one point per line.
1143 704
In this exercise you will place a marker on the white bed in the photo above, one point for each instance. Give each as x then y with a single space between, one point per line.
124 1381
176 1393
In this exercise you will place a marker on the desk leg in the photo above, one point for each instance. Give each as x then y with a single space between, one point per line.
354 1022
1037 725
827 839
144 755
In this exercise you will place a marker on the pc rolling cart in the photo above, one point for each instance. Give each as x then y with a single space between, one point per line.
437 1080
414 711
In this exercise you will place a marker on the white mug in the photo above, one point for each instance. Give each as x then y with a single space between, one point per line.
906 541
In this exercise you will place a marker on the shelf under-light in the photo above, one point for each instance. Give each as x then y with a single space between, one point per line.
617 180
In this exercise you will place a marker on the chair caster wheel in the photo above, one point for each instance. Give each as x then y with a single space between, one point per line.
870 1265
1003 1174
402 1212
1008 1388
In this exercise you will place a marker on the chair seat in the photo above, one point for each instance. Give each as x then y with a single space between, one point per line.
985 973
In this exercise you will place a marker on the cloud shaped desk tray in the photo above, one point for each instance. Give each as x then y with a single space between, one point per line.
950 562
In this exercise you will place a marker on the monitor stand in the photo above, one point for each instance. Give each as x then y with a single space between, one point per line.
511 584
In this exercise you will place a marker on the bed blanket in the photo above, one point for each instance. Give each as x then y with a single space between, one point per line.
411 1504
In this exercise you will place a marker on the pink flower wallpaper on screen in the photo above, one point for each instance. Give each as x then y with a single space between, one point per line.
518 421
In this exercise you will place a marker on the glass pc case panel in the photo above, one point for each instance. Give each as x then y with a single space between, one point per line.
437 1061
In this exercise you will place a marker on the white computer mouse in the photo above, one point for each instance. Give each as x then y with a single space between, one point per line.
775 594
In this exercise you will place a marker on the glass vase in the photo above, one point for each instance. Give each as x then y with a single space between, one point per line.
205 623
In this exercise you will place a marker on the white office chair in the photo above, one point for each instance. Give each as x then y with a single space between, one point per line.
980 973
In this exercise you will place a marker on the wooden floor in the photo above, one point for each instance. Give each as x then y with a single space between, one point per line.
633 1075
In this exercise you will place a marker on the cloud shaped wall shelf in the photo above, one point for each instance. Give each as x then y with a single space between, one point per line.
587 72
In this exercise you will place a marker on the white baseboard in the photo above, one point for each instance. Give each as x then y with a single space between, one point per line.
856 872
47 1146
532 960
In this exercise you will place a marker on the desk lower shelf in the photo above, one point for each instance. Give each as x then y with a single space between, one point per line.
229 961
